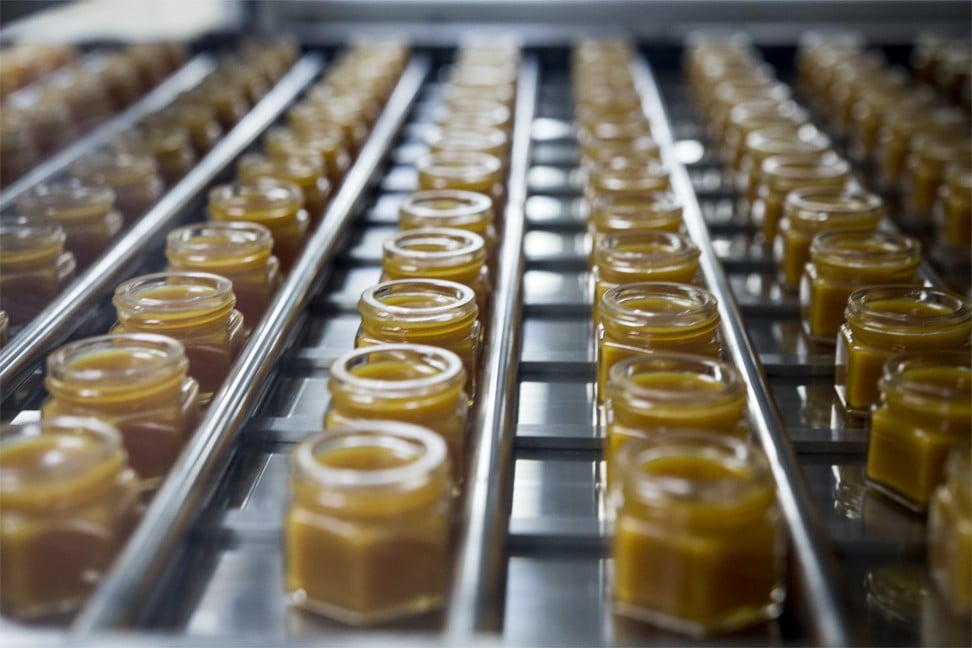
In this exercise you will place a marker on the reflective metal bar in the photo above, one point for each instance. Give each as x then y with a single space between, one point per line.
828 603
177 503
54 324
479 573
188 76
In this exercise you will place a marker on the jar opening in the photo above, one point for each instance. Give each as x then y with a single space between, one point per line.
175 292
906 307
674 378
942 376
398 370
418 300
440 247
659 304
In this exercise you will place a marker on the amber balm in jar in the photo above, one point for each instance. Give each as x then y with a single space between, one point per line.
699 546
367 532
69 503
34 267
950 533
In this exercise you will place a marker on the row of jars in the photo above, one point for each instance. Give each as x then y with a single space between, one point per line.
39 120
62 227
860 288
674 411
396 428
121 406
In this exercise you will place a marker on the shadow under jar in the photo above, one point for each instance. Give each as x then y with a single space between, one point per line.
699 545
367 531
69 503
884 321
196 308
138 383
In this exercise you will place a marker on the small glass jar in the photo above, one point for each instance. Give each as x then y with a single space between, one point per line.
69 504
367 533
652 393
635 257
18 150
134 178
843 261
477 172
86 214
641 150
896 137
306 117
660 211
240 251
626 181
169 144
925 168
800 142
950 533
953 209
477 113
369 106
884 321
438 313
654 317
925 410
449 208
119 74
699 544
439 253
759 114
275 204
50 125
34 268
227 101
411 383
195 308
328 143
808 212
85 96
782 174
474 139
197 117
306 172
136 382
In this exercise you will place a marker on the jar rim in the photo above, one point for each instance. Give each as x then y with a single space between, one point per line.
130 294
47 197
621 374
428 448
16 231
458 164
259 164
673 247
239 232
467 203
839 246
274 192
104 167
896 373
463 244
167 352
699 306
860 302
462 300
800 167
447 363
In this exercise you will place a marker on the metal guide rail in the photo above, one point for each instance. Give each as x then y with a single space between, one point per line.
880 545
84 307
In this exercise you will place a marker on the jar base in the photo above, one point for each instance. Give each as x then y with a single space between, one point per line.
413 607
896 497
742 618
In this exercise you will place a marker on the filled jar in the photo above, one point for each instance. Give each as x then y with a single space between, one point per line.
809 211
465 210
304 171
654 317
466 171
275 204
885 321
699 544
925 410
953 209
328 143
34 267
843 261
950 533
240 251
69 504
196 308
614 215
630 181
931 154
169 144
137 382
367 531
411 383
133 177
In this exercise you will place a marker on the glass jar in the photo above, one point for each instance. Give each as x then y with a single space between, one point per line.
275 204
306 117
638 150
306 172
477 172
439 253
626 181
953 209
474 139
367 531
227 101
699 544
896 136
448 208
169 144
119 74
924 411
195 308
328 143
843 261
34 268
635 257
660 211
240 251
654 317
69 504
950 533
197 117
136 382
782 174
50 125
925 168
438 313
18 150
801 142
809 211
649 394
134 178
759 114
369 106
411 383
884 321
86 214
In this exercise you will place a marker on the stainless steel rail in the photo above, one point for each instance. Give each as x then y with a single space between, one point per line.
56 322
114 604
828 603
476 589
186 77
